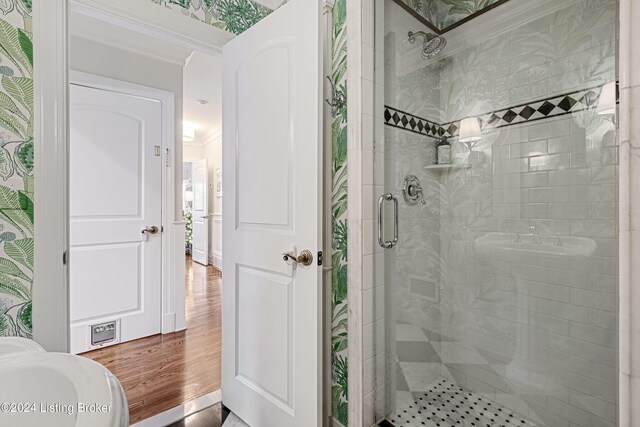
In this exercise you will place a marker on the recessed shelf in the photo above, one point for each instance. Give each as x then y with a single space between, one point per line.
452 166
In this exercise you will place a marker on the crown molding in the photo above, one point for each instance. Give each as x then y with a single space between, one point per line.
204 140
97 30
192 144
152 21
212 135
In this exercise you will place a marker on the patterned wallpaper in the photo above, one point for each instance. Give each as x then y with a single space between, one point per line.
234 16
339 354
445 13
16 167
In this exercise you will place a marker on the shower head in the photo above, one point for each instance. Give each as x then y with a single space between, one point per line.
432 44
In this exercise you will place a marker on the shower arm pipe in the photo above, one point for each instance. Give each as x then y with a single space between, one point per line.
413 35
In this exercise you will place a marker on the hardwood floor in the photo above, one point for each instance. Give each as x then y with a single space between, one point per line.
164 371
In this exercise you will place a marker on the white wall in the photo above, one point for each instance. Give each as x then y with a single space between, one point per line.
210 147
192 152
102 60
95 58
213 152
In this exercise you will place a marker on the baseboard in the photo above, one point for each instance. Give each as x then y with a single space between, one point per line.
168 323
215 259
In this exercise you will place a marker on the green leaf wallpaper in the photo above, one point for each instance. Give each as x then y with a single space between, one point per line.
234 16
16 168
445 13
339 310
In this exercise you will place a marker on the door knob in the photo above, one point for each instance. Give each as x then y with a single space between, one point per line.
305 258
151 230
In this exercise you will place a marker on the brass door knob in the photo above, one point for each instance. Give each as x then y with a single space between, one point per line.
305 258
151 230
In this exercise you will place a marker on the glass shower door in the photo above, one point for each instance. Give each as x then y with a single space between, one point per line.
501 291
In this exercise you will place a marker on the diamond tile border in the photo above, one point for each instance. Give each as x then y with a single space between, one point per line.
407 121
560 105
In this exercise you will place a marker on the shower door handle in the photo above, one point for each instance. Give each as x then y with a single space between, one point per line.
387 244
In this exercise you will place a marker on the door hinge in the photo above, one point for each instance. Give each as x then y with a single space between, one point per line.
64 258
167 162
320 259
156 150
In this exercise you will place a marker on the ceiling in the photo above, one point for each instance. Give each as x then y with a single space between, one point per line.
203 81
444 15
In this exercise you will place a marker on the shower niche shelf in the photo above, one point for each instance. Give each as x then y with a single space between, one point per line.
453 166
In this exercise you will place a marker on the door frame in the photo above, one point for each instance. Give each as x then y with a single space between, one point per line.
51 139
177 34
171 312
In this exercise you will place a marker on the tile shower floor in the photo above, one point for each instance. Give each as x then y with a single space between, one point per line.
445 404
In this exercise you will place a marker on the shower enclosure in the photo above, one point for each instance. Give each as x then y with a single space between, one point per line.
497 272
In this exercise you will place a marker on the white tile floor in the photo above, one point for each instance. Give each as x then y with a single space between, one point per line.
444 404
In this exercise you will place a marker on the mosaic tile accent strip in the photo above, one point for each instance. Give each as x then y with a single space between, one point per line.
400 119
560 105
445 404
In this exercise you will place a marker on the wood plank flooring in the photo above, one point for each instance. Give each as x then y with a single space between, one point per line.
164 371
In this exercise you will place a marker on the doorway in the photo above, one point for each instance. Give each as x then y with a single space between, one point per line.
139 305
274 143
115 211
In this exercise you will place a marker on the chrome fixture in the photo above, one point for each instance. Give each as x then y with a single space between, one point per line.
432 44
387 244
305 258
412 191
338 98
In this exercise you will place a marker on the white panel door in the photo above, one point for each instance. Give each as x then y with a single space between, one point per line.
271 351
115 194
199 179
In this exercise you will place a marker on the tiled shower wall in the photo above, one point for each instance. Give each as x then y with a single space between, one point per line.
536 333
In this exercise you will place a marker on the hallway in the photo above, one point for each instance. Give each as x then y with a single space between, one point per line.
164 371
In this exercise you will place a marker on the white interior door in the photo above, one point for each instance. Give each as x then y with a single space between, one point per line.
271 351
115 194
200 230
